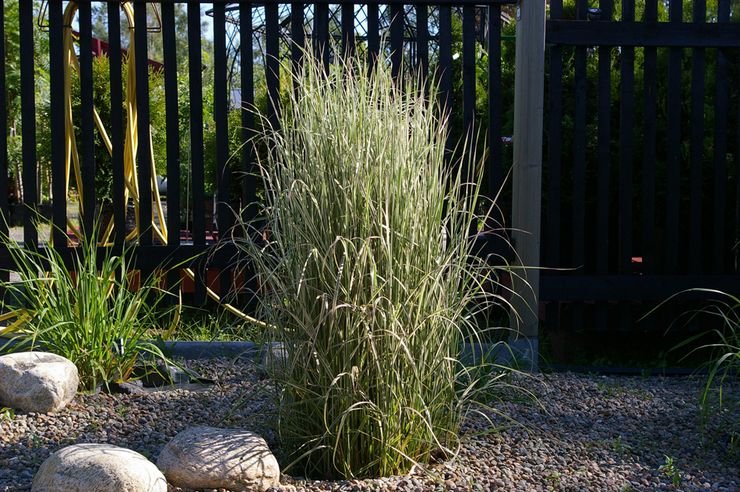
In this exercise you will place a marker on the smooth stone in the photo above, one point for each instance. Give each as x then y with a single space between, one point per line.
37 381
212 458
98 468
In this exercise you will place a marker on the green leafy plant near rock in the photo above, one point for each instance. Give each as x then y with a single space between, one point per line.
93 310
366 272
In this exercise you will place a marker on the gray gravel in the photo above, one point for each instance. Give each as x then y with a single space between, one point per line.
580 433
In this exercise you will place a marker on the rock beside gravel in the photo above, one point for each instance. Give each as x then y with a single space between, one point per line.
37 381
98 468
212 458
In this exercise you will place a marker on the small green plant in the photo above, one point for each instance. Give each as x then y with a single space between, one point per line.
7 413
92 309
670 470
367 276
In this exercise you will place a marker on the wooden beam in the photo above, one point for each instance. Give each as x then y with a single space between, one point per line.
660 34
527 166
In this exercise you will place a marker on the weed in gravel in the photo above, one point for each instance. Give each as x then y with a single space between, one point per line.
7 413
670 470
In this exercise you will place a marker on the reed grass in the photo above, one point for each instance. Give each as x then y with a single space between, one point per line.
366 272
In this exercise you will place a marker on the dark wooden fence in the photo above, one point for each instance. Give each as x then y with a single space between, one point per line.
408 35
643 157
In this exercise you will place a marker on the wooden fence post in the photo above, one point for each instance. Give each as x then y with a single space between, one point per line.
527 174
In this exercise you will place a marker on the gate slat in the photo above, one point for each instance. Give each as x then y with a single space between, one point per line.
56 80
28 123
422 40
143 157
444 70
249 180
297 35
626 143
671 242
220 115
719 191
116 121
495 109
272 62
649 132
321 32
396 29
348 28
696 146
604 144
373 33
196 141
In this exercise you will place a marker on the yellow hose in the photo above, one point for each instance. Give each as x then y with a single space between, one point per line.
131 139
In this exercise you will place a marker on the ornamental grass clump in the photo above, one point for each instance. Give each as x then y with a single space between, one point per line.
92 310
366 272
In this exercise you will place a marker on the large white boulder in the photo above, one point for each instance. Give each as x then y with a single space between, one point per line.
37 381
98 468
211 458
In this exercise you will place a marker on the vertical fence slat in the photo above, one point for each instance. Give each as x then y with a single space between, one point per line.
719 191
348 28
196 140
422 39
604 166
321 32
56 81
169 48
249 181
220 115
626 144
87 137
696 146
4 209
272 62
626 156
673 156
396 28
578 202
579 151
373 33
4 215
143 153
116 121
28 122
551 253
468 66
495 89
297 35
604 145
172 123
736 240
445 56
649 133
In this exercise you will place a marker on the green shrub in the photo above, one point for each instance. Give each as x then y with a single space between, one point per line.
93 311
367 276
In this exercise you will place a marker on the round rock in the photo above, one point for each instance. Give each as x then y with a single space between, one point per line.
211 458
37 381
98 468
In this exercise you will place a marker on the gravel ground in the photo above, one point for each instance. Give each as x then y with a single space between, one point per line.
581 433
